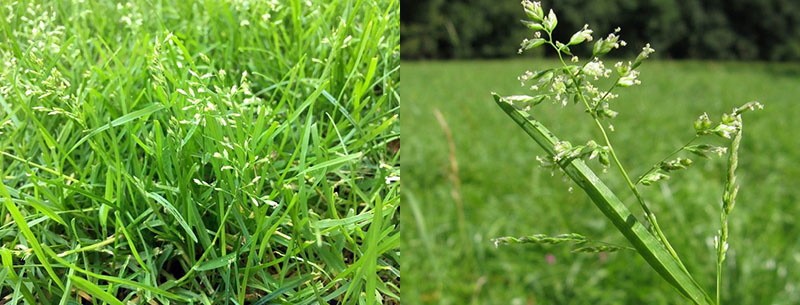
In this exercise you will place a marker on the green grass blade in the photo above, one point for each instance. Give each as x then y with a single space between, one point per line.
119 121
131 243
117 280
26 231
645 243
285 287
91 247
94 290
348 223
174 212
332 162
218 262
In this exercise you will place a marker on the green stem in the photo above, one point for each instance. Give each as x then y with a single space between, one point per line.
647 212
656 165
728 201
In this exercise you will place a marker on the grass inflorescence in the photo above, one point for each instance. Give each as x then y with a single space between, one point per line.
204 152
579 84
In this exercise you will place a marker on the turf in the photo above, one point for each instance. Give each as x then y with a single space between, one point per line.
498 188
199 152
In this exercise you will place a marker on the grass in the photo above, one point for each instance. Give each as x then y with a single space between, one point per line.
501 190
199 152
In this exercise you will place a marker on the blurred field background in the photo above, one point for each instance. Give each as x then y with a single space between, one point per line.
498 188
679 29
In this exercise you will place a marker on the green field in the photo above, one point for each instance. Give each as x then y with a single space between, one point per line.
199 152
499 189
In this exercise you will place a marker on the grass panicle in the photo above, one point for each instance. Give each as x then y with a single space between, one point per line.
579 84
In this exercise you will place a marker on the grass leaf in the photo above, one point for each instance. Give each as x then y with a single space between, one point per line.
174 212
26 231
218 262
120 121
94 290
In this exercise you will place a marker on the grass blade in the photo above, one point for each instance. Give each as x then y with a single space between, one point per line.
119 121
332 162
26 231
218 262
174 212
642 240
95 291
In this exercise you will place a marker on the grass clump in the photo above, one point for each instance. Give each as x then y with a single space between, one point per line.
206 152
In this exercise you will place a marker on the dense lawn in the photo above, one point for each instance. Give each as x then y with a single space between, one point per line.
199 152
449 258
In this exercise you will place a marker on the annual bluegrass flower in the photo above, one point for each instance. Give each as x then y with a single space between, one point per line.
583 35
726 130
533 9
644 54
546 162
629 79
559 89
605 45
525 77
531 43
596 69
392 179
703 124
751 106
132 17
561 149
647 50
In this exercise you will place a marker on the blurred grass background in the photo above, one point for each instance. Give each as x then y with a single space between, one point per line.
500 190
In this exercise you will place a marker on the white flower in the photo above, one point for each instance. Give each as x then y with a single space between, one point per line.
392 179
596 69
563 150
200 182
630 79
559 87
583 35
271 203
524 77
726 130
647 50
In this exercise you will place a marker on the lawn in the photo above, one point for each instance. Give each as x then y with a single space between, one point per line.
199 152
491 185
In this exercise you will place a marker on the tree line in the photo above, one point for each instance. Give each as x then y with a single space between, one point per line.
680 29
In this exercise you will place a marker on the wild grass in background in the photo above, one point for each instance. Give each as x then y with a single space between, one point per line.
505 192
206 152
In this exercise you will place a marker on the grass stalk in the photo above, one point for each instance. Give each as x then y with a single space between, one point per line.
728 201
